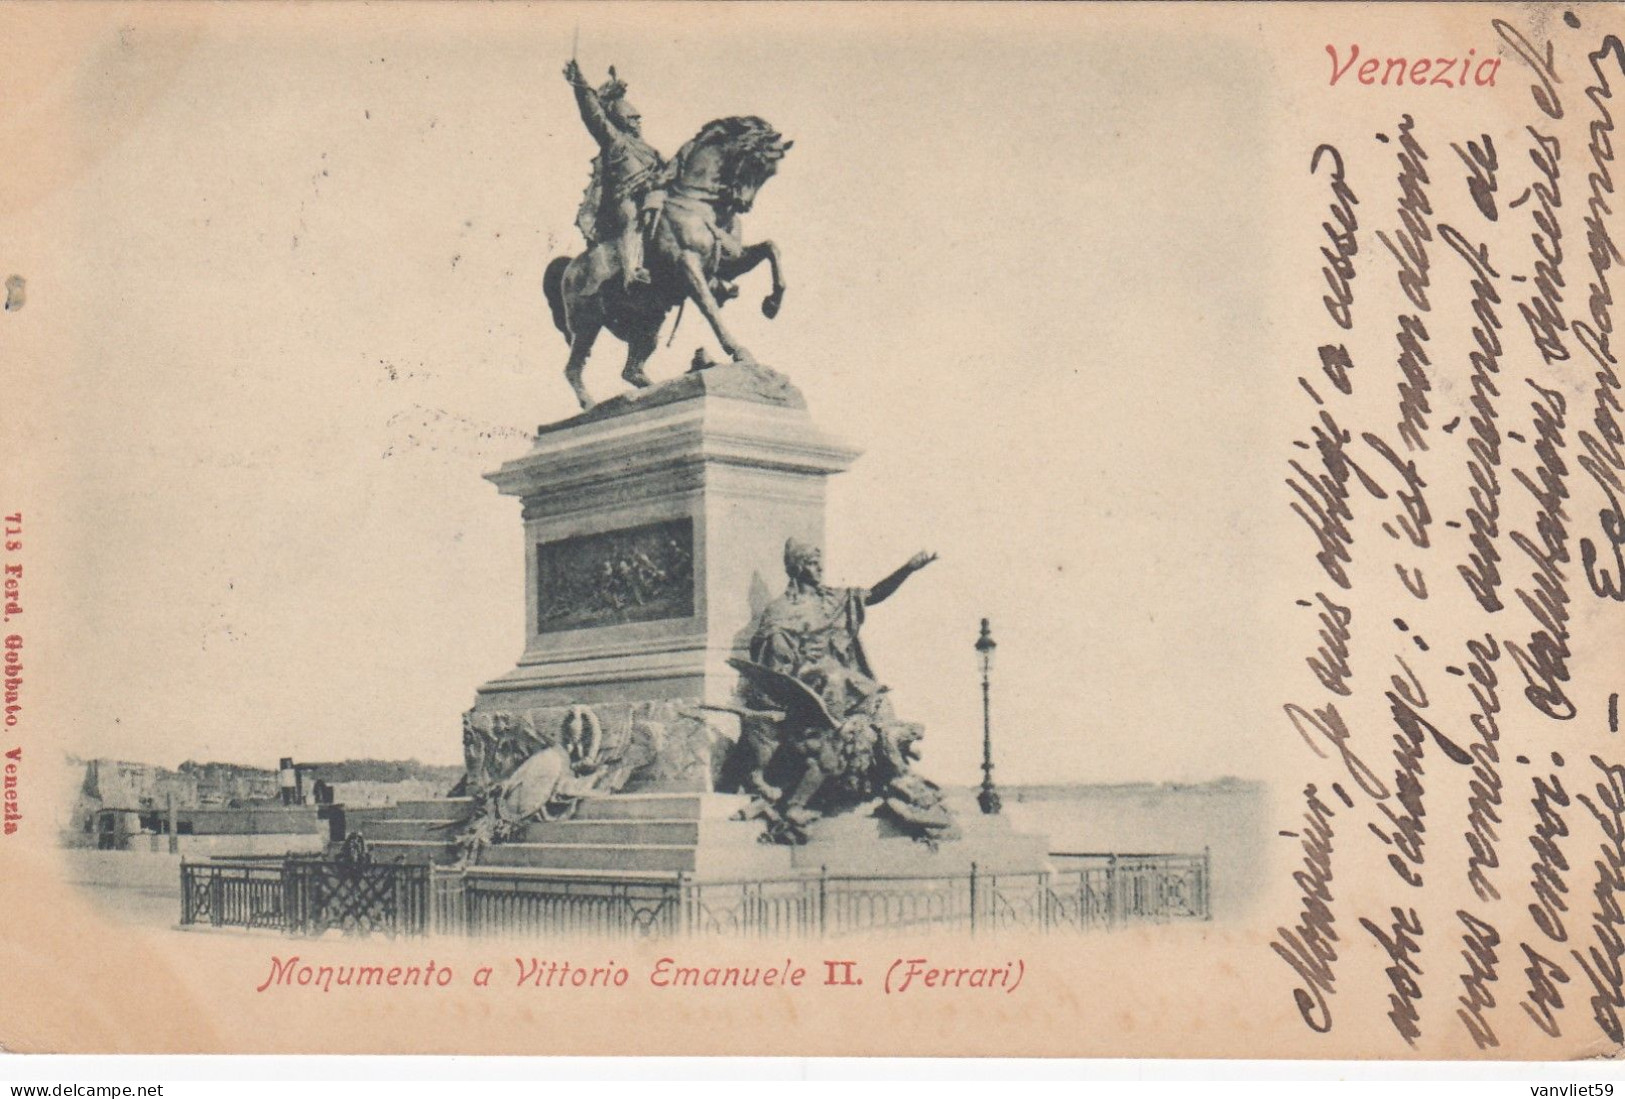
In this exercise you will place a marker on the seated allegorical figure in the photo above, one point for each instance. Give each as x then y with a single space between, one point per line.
838 742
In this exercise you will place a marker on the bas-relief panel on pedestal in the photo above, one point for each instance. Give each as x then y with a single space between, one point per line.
638 574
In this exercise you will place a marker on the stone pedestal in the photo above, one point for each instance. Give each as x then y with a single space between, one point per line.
654 532
654 529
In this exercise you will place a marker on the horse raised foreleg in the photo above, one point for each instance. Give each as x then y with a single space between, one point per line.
747 260
699 289
580 348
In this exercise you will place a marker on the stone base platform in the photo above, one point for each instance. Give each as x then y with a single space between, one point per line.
872 846
629 833
696 834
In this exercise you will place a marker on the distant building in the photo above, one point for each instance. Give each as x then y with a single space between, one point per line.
119 784
228 785
365 782
115 792
228 808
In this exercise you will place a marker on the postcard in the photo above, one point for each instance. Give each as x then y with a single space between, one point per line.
707 529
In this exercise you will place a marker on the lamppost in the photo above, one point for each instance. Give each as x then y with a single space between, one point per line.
988 799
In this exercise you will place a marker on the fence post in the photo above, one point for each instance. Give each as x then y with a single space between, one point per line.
1114 903
823 901
418 894
973 898
686 905
421 889
392 918
455 911
439 901
1044 915
217 895
186 894
1207 879
290 900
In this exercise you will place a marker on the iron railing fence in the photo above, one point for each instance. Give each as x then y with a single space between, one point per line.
1082 892
309 896
328 894
1107 890
306 895
235 893
516 902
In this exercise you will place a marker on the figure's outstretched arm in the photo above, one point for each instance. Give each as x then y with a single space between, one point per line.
592 111
891 583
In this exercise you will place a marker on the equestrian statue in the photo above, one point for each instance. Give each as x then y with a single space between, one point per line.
659 233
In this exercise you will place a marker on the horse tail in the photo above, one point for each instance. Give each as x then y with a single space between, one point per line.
677 322
553 288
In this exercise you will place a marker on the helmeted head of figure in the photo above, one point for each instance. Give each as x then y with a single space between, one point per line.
619 108
803 561
626 116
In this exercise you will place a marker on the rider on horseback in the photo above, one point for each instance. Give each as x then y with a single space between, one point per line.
683 216
626 170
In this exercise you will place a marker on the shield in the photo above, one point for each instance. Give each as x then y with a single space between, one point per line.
802 707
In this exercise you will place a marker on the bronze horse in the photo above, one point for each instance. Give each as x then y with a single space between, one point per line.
693 251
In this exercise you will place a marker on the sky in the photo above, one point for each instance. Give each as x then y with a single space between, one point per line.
284 312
